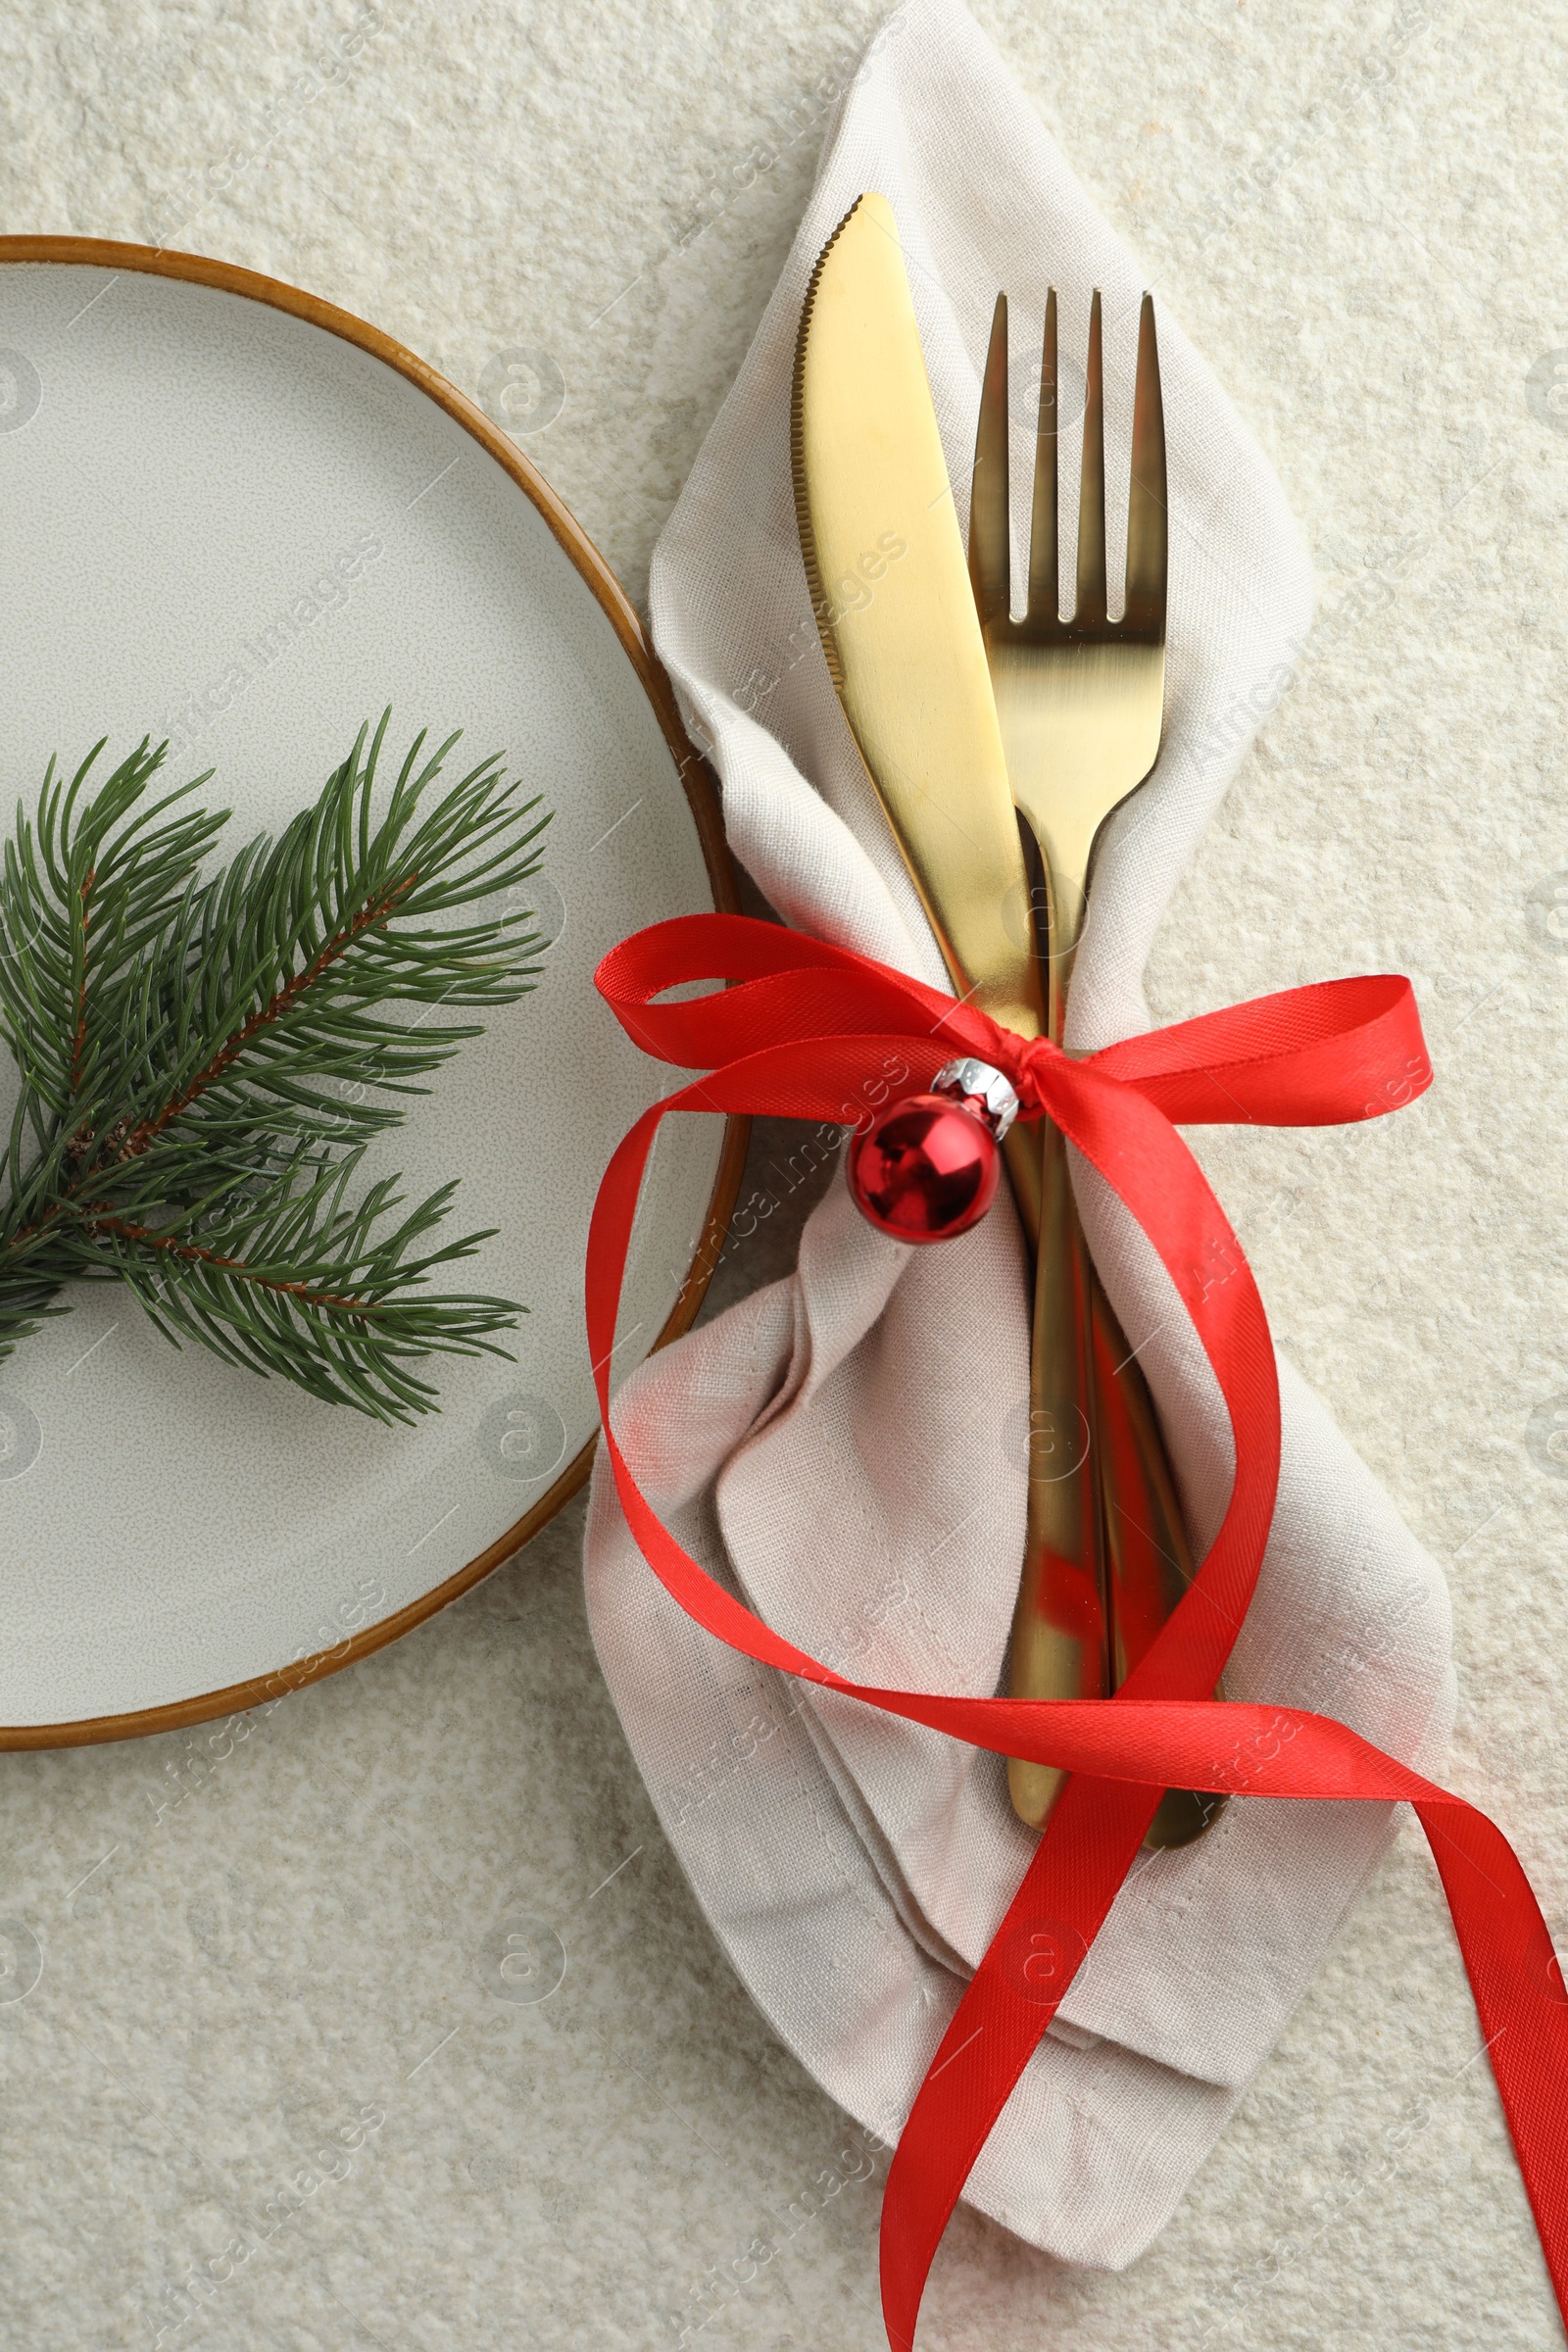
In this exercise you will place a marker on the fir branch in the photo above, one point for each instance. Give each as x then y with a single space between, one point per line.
197 1055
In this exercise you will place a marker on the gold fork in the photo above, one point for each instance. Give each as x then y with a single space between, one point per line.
1080 704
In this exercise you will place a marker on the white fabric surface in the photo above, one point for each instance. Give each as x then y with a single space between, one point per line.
836 1444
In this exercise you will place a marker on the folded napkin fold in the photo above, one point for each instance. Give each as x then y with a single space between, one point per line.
846 1448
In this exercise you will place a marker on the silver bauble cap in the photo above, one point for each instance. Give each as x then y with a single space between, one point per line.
983 1089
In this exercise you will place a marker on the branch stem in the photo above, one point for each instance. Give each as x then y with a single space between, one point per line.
272 1010
194 1254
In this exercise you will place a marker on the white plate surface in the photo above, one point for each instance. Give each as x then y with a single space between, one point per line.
225 524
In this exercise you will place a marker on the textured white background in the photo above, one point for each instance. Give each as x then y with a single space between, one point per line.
1356 212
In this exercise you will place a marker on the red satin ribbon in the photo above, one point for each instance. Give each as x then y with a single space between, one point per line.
799 1035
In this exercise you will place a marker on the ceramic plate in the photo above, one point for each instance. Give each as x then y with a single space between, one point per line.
238 517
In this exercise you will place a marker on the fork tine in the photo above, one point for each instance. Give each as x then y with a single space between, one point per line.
1147 526
1043 587
1091 605
990 561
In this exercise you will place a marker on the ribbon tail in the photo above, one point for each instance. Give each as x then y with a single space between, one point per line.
1516 1979
1090 1843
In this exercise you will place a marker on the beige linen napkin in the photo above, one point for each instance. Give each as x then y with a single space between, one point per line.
844 1448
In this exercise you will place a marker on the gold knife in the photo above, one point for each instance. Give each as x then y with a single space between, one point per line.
890 586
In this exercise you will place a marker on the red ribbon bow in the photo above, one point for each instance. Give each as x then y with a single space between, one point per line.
798 1035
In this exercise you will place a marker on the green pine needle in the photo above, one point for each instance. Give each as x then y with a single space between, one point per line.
205 1061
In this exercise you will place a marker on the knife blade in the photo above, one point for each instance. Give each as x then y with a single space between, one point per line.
890 586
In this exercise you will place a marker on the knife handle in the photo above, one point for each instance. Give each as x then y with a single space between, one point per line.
1149 1562
1020 1156
1061 1635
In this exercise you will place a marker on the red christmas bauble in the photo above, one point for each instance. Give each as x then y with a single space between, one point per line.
925 1170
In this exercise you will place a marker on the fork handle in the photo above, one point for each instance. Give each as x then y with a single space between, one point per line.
1107 1558
1149 1561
